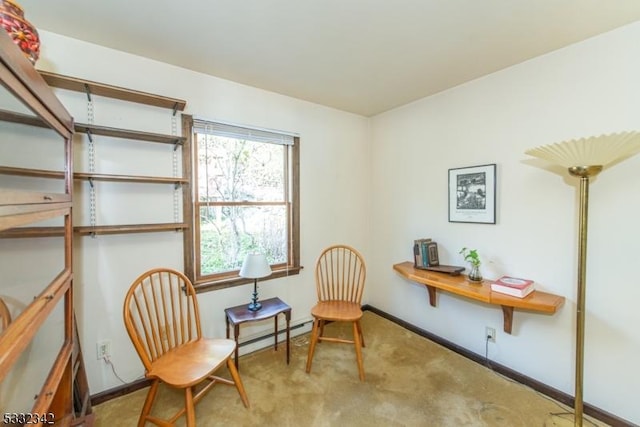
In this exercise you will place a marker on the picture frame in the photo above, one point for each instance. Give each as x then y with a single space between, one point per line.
472 194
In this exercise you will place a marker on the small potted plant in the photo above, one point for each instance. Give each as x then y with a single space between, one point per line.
472 257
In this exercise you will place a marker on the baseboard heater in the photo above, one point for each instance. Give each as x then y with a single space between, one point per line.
272 334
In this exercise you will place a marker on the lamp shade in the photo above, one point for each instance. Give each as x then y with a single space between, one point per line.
255 266
596 150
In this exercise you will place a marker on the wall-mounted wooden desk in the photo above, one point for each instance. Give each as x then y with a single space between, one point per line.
459 285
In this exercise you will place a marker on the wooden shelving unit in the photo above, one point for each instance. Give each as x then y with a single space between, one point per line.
66 376
536 301
94 88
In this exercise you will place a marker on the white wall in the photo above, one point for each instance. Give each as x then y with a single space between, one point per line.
589 88
586 89
334 191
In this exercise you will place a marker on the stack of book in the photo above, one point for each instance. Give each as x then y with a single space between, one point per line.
425 253
513 286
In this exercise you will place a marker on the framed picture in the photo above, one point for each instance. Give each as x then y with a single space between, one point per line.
472 194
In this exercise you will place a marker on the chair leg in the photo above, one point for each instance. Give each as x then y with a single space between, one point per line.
321 333
148 403
312 344
360 332
188 404
357 344
238 382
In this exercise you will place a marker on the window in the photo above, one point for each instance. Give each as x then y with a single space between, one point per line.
245 199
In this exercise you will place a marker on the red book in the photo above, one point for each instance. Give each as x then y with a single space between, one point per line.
513 286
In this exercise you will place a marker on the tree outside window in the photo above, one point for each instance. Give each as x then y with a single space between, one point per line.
246 201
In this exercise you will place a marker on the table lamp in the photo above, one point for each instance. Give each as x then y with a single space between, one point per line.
255 266
585 158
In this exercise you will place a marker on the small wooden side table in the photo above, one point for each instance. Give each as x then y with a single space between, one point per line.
270 308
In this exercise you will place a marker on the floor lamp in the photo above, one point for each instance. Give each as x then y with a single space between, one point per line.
585 158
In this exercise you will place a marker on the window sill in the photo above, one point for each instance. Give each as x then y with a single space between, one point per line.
212 285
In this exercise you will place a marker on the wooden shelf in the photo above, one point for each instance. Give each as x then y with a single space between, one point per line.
81 85
42 173
9 116
128 229
129 178
87 230
10 198
25 119
34 173
15 216
22 232
537 301
23 207
129 134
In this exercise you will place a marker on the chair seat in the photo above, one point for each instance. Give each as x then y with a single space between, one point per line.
190 363
338 311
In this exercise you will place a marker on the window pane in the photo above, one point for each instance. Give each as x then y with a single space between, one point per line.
228 233
236 170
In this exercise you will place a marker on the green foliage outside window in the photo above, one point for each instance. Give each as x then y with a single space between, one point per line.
242 201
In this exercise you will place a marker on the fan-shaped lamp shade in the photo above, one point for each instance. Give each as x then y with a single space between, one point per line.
255 266
593 151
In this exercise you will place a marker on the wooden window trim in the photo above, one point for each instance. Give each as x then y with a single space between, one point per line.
189 238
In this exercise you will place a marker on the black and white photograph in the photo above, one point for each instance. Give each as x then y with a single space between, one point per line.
472 194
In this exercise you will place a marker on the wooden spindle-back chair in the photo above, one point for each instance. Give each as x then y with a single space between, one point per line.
163 321
340 276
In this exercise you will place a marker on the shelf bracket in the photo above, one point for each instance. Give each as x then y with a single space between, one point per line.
432 295
90 135
91 182
507 316
175 109
177 185
176 145
88 91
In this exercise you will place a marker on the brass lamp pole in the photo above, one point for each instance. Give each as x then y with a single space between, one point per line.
585 173
591 155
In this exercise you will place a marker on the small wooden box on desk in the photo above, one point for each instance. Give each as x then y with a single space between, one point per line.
536 301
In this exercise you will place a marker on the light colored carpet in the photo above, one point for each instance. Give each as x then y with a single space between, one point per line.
410 381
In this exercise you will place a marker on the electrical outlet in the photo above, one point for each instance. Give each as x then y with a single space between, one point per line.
490 334
103 349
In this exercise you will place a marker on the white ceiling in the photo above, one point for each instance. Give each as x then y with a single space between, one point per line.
362 56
